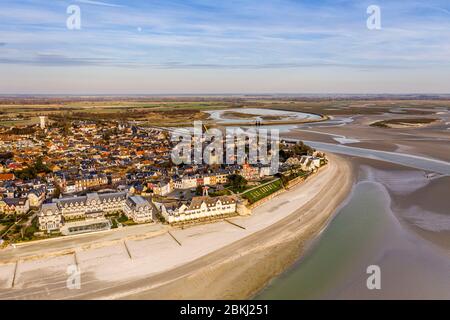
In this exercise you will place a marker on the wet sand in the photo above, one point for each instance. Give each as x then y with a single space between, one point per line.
241 268
431 141
366 232
205 266
420 203
254 261
412 246
424 210
378 227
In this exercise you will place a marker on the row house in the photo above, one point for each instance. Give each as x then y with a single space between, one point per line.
200 207
82 183
36 197
89 213
163 188
139 209
211 179
310 163
14 206
91 181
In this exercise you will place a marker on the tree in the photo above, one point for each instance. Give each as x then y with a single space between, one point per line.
65 128
57 192
284 179
6 156
284 155
237 181
31 172
28 173
40 167
106 136
199 190
301 149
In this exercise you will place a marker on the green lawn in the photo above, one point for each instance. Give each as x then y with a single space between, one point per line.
123 219
297 174
263 191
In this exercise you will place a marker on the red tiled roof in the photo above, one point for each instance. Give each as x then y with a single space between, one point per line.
7 176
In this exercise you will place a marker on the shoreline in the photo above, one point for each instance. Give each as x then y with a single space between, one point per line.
249 264
211 257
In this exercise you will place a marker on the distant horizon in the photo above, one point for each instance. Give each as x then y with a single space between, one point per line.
196 47
250 94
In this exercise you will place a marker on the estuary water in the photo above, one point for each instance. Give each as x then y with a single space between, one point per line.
257 114
413 161
365 232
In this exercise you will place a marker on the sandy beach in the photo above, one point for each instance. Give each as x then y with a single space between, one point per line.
396 218
214 261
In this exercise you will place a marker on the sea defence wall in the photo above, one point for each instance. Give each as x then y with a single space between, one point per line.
294 182
242 209
260 202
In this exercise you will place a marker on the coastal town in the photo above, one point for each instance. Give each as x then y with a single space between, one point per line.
223 155
68 177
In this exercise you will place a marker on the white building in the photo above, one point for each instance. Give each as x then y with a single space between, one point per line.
200 207
309 163
88 213
188 182
267 170
14 206
138 209
163 188
50 217
36 197
42 120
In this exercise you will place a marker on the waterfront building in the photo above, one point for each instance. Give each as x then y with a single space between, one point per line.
36 197
163 188
89 213
310 163
138 209
250 172
14 206
200 207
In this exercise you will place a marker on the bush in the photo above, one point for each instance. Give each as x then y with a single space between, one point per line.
29 232
237 182
219 193
122 219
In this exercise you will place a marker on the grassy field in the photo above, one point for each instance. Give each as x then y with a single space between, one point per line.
151 113
179 110
263 191
403 122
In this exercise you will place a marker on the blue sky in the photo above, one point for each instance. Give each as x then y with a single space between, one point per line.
233 46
